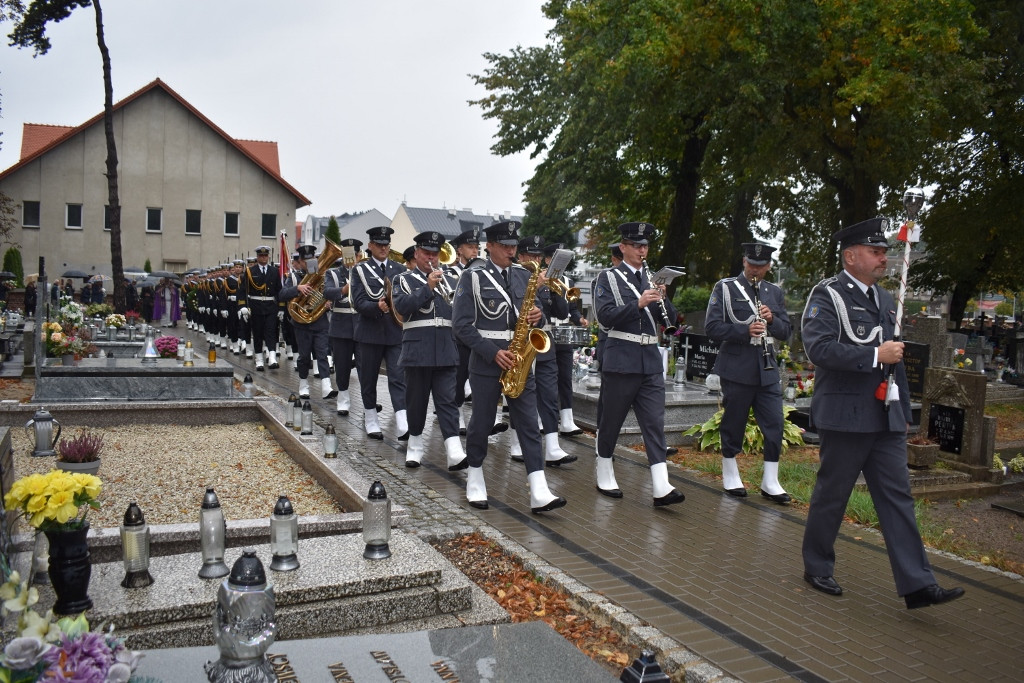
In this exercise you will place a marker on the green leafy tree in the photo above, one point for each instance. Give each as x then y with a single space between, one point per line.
333 232
12 264
30 31
551 224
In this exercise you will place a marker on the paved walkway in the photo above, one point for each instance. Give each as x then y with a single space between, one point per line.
721 576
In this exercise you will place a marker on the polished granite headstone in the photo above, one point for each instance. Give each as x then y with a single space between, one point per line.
510 653
120 379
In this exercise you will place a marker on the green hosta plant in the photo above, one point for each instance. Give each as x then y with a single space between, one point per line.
753 440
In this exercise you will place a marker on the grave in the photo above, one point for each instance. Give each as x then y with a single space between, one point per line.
513 653
953 412
120 379
931 332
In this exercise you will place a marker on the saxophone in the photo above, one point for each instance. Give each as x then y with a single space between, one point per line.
308 308
526 343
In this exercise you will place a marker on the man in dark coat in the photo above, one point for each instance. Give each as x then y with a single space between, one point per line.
862 417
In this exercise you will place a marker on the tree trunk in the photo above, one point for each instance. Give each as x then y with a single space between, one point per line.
116 260
676 241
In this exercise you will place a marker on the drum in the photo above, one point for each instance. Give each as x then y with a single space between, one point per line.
571 334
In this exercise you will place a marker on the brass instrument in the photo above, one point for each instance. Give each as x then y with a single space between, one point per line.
396 256
767 345
526 342
445 258
670 329
557 287
307 308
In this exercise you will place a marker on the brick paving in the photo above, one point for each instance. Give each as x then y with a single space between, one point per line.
713 584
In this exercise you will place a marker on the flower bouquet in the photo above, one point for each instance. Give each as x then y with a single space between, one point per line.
61 344
961 360
167 347
55 501
115 320
804 385
97 310
132 317
71 314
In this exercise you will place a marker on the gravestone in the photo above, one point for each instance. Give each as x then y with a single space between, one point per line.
700 354
953 408
916 361
931 331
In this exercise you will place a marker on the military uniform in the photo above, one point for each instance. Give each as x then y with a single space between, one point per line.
632 370
844 333
260 286
748 368
310 338
565 353
455 270
341 333
429 356
379 336
487 307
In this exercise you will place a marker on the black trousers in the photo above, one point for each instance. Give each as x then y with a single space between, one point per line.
563 356
312 341
546 371
522 410
737 399
645 394
264 329
346 357
461 373
420 384
369 360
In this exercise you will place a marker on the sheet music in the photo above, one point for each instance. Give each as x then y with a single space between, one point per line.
666 275
559 262
348 256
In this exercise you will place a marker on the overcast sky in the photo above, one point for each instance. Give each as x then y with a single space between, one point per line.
366 100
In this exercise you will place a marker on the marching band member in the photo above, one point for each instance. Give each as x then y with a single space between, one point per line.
564 352
488 302
378 333
231 291
467 248
260 285
287 331
631 368
245 326
311 338
343 321
423 298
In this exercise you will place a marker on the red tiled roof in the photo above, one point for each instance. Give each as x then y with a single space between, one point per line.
45 138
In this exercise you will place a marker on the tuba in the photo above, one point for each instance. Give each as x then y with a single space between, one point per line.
307 308
526 342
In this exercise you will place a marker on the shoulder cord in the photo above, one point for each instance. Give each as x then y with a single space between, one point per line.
429 308
618 295
252 283
844 316
502 309
361 271
728 304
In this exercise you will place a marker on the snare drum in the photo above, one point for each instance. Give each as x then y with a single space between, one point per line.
570 334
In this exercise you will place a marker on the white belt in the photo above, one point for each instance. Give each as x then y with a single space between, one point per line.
262 298
641 339
344 310
429 322
496 334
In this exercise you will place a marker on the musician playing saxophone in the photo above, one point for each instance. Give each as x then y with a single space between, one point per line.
632 371
742 320
489 304
310 338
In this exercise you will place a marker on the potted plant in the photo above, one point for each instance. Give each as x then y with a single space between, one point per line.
56 503
166 346
997 473
80 453
922 451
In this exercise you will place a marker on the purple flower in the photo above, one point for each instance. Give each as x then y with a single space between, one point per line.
85 659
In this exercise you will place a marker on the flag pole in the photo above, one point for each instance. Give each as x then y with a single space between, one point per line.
910 232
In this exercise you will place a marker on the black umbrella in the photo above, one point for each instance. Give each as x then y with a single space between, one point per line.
75 273
7 275
164 273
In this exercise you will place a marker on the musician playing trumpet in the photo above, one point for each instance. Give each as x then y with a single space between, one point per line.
423 297
743 314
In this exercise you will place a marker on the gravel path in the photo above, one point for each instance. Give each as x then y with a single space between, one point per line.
167 468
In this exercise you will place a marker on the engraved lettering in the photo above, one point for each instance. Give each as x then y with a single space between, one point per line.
339 674
443 672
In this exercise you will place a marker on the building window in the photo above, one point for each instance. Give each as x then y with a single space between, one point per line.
106 217
30 214
74 217
231 224
193 221
154 220
269 226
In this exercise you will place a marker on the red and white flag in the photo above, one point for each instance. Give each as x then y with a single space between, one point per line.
909 232
283 265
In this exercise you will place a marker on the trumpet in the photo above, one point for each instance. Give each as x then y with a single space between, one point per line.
446 258
670 329
557 287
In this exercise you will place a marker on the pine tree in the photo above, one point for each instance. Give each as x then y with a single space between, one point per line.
12 264
333 231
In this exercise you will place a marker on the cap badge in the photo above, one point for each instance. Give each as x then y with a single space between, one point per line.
757 250
434 236
641 228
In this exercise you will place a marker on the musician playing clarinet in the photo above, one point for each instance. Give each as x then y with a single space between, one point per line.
744 314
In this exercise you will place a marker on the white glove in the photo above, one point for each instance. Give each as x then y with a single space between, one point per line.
202 309
232 298
243 313
280 316
224 313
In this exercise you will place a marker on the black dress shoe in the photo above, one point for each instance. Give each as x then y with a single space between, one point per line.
342 412
259 368
376 435
459 465
518 458
931 595
671 450
561 461
478 504
498 428
739 493
781 498
404 436
462 431
411 463
379 407
331 394
274 366
553 505
575 432
825 584
611 493
670 498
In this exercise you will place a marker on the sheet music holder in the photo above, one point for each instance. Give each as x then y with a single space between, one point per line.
560 260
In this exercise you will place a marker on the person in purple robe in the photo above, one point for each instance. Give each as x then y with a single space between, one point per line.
166 303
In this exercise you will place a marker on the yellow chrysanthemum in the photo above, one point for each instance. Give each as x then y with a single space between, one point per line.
88 483
61 507
35 504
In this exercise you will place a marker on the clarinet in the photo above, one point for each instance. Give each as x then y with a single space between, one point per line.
670 329
767 347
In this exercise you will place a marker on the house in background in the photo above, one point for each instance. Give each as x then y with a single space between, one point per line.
410 221
191 196
350 225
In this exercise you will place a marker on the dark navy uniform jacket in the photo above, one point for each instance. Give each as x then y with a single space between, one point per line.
343 316
427 339
727 321
844 378
366 287
616 293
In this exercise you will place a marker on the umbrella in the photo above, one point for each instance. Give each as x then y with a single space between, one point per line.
164 273
7 275
99 278
75 273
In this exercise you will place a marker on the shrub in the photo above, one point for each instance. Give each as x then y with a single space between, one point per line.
83 447
753 439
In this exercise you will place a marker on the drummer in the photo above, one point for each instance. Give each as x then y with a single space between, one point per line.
531 250
566 339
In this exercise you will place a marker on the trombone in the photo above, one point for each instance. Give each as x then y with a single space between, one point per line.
570 294
445 258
